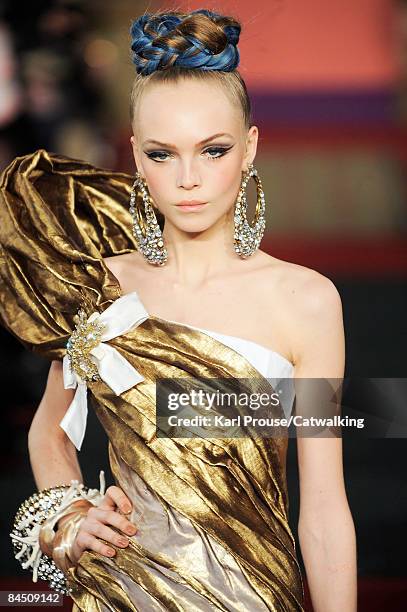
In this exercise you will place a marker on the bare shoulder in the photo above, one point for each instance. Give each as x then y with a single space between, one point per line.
307 306
303 289
312 292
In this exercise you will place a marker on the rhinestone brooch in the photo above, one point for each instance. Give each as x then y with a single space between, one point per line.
84 338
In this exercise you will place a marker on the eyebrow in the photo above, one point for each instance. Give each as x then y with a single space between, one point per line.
171 146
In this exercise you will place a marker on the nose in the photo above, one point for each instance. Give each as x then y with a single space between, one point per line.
188 176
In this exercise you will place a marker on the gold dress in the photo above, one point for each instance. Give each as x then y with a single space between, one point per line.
213 513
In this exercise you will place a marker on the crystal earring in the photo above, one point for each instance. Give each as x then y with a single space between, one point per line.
147 231
247 238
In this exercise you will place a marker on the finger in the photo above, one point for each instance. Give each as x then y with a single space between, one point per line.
105 533
114 497
110 517
86 541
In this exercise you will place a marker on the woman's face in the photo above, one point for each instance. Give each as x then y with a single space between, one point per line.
190 143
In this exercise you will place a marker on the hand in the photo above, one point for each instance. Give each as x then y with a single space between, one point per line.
94 525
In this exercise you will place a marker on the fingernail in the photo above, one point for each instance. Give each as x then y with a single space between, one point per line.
123 541
131 530
111 552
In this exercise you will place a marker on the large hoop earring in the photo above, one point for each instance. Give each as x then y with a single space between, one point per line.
247 238
146 230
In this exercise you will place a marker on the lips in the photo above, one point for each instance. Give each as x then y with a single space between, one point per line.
191 205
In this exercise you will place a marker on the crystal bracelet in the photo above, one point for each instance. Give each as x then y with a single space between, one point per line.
47 507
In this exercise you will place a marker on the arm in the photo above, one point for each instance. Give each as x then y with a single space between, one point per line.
53 457
54 461
326 530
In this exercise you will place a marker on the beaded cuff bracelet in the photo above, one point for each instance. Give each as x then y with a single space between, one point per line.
48 505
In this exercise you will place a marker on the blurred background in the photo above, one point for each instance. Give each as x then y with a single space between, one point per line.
328 83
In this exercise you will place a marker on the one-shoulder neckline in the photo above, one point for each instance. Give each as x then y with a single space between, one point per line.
121 294
222 335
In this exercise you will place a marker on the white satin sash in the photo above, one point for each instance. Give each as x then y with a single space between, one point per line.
122 315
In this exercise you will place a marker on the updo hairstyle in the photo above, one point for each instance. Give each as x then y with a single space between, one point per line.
170 46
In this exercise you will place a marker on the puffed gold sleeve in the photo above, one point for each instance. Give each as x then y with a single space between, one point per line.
58 218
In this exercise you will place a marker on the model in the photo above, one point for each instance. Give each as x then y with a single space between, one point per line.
125 281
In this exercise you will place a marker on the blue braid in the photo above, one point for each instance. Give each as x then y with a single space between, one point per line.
149 55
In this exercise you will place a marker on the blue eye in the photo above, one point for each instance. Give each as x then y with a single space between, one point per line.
219 151
153 155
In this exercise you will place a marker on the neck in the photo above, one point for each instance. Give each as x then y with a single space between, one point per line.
196 258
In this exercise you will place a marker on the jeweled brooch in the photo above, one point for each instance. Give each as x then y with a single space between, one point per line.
84 338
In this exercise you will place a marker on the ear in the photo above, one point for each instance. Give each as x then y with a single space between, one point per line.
136 154
251 147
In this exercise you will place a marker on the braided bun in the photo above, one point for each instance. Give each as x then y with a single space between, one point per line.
200 39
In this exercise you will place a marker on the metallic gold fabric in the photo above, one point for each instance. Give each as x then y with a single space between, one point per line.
212 513
58 216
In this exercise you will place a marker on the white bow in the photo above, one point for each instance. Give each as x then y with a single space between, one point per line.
122 315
